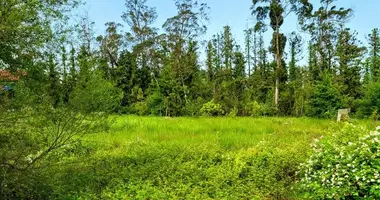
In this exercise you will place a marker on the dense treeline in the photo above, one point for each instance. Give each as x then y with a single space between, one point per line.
161 73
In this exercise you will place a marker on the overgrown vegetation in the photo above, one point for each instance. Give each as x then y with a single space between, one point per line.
208 158
62 86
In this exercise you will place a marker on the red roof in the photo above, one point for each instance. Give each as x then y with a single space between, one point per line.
6 75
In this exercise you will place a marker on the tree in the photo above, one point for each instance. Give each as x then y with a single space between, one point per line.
26 26
295 43
227 47
210 58
276 10
34 136
325 99
109 47
183 29
374 50
140 18
370 105
323 24
349 56
248 45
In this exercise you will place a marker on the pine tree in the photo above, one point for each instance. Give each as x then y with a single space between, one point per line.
374 47
349 55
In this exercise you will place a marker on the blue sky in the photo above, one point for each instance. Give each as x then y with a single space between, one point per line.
230 12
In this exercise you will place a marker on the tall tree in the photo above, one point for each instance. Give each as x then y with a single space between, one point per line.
109 46
183 29
323 24
227 47
374 50
248 48
295 43
276 10
140 18
350 54
209 60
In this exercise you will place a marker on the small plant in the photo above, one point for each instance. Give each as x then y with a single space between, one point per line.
233 112
345 166
254 109
211 109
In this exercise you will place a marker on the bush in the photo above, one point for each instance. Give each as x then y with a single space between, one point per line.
345 166
96 95
254 109
211 109
325 100
371 101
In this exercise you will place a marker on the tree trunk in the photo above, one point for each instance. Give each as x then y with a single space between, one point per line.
278 59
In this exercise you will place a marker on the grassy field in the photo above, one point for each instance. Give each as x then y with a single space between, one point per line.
193 158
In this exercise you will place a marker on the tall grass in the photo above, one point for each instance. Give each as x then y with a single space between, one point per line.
226 133
192 158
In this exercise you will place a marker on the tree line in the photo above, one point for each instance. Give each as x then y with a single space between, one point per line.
134 69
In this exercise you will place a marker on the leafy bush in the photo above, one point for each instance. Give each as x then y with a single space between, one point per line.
325 100
211 109
96 95
254 109
140 108
345 166
34 138
371 101
233 113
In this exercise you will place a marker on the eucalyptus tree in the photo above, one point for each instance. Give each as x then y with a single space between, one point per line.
276 11
182 30
110 45
140 18
323 24
209 59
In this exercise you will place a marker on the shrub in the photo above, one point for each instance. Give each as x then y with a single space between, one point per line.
325 99
234 112
211 109
345 166
254 109
96 95
371 101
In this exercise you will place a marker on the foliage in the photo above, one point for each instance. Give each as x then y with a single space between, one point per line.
207 158
33 139
344 166
211 109
370 103
96 95
325 100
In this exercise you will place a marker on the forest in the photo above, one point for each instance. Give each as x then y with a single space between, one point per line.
89 116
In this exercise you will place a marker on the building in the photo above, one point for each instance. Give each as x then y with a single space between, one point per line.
8 79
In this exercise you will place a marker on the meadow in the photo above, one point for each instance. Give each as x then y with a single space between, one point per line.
191 158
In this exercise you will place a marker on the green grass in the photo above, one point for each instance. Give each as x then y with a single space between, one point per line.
193 158
226 133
